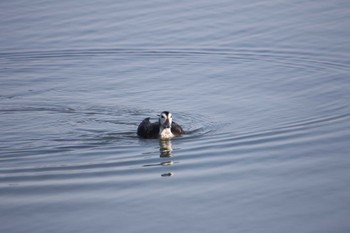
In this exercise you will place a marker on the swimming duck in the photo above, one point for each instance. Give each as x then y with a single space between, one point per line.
165 128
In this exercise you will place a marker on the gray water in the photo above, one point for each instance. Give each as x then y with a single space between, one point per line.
261 87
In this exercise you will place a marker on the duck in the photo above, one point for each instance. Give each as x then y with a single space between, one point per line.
165 128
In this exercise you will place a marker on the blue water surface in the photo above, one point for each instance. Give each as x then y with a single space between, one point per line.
261 87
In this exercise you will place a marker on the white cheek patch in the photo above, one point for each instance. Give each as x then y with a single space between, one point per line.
162 119
170 118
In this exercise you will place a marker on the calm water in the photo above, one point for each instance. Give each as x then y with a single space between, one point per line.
261 87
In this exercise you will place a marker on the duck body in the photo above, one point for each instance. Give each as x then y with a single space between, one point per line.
165 128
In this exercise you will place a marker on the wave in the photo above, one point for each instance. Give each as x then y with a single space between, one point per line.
287 57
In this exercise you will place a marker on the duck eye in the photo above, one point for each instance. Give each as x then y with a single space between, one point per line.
162 116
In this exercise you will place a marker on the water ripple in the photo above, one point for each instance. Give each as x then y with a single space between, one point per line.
291 58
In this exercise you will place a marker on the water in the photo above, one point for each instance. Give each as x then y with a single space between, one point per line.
261 87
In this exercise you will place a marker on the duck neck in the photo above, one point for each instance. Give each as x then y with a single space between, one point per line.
165 133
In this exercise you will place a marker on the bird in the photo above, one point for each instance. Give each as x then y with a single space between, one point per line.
165 128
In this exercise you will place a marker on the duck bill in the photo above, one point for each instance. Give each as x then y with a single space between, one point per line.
167 124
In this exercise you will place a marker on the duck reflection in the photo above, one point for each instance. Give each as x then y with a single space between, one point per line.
166 148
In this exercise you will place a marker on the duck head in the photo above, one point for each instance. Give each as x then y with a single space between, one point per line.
165 120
